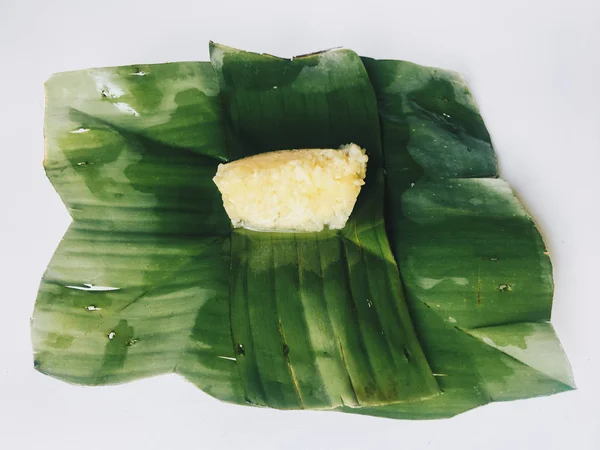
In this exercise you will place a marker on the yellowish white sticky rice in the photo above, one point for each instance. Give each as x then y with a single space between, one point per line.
293 190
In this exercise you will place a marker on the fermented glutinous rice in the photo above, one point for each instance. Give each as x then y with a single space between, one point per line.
293 190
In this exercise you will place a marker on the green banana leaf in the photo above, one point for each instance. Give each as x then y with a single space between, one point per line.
434 299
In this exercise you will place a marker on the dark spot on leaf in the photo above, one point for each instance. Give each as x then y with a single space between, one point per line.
240 349
406 353
286 350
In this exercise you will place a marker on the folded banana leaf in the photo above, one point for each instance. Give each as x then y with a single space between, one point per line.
434 299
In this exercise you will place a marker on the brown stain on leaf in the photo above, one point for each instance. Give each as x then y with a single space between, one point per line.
286 354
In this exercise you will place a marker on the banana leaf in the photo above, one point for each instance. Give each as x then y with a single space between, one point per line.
434 299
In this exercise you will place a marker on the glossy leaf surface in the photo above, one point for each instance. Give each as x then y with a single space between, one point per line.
151 279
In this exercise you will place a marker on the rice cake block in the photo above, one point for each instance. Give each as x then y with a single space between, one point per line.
293 190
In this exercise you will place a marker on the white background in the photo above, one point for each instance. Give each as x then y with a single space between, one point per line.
534 69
